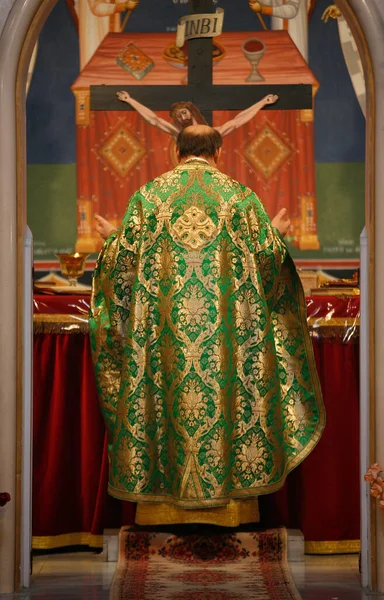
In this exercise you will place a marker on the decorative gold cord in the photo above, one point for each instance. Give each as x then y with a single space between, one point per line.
48 542
336 547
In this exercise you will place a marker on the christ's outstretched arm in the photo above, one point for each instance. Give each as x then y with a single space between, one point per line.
148 115
245 115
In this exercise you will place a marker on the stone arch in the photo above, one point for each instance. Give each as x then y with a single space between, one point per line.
24 20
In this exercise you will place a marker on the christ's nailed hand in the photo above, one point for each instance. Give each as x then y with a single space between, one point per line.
103 227
123 96
270 99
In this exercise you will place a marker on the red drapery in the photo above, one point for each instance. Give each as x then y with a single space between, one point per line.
70 465
116 154
322 495
70 470
273 154
114 162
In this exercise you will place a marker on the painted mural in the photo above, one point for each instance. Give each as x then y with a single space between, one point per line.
82 161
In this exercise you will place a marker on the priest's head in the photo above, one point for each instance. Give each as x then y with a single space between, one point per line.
199 141
185 114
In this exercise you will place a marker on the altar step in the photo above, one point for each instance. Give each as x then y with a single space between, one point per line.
295 545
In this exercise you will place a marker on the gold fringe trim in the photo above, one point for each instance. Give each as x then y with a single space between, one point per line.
62 323
335 332
49 542
59 323
342 328
231 515
338 547
335 322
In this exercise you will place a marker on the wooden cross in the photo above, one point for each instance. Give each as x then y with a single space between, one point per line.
200 89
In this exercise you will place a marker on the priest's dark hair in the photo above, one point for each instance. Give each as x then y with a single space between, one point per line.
198 140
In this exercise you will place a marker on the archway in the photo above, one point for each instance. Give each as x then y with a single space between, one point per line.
25 19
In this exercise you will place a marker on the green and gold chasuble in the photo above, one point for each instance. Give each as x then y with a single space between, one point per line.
203 360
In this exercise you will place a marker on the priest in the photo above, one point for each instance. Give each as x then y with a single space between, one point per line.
203 360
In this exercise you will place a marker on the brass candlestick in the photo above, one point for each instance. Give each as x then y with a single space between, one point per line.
72 265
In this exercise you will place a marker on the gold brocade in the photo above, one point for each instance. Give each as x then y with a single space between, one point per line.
59 323
203 359
48 542
334 322
236 513
65 323
248 514
335 547
342 328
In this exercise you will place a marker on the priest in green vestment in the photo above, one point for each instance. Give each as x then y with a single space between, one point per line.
203 360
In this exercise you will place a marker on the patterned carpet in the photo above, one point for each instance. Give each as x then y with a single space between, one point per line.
221 566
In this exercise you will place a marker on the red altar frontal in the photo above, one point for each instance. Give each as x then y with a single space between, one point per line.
117 151
70 466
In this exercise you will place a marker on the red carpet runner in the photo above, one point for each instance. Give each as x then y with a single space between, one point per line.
227 566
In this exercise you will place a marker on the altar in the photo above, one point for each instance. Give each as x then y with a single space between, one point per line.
70 468
117 151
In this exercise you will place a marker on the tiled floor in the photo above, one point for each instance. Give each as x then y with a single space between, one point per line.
84 576
330 578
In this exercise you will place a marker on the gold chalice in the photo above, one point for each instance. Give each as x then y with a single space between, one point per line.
72 265
253 50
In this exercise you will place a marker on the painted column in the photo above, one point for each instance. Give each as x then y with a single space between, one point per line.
16 19
371 21
8 295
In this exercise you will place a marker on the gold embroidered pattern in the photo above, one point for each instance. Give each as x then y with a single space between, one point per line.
204 363
194 228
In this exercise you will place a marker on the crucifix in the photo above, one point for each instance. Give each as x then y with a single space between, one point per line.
200 89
